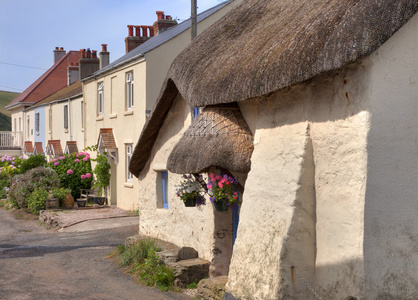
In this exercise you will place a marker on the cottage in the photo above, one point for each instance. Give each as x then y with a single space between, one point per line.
327 92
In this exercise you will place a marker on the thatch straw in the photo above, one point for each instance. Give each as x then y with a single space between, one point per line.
152 128
263 45
218 137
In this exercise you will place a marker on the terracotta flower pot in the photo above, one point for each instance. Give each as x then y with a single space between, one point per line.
68 201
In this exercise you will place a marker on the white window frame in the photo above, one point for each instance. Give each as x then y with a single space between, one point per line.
82 114
129 151
129 90
100 98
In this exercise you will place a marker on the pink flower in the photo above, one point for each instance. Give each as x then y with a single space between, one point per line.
220 184
83 176
13 162
86 158
76 160
218 177
54 160
69 172
209 186
56 164
76 155
227 183
88 175
212 175
61 157
81 153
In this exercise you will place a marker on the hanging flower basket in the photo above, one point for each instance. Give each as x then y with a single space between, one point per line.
190 202
191 191
221 205
222 192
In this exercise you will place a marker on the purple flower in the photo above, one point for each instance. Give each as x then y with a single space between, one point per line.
56 164
21 157
13 162
54 160
69 172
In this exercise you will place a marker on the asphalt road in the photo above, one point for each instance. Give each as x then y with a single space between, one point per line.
36 263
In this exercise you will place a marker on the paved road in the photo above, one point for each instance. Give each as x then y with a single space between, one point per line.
36 263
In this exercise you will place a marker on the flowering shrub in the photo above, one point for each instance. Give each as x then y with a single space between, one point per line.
12 164
23 185
72 170
222 188
33 161
191 189
101 170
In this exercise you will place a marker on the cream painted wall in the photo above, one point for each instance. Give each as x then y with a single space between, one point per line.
160 59
182 226
126 124
56 129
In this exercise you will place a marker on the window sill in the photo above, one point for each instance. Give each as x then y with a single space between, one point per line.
128 185
66 130
128 113
99 118
113 116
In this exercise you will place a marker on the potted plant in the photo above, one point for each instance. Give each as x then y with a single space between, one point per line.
222 191
191 191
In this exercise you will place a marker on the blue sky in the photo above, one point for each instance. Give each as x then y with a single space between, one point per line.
31 29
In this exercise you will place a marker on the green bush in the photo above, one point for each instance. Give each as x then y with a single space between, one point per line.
37 200
5 184
32 162
25 184
74 172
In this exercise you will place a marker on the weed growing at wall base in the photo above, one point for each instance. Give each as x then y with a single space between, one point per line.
142 261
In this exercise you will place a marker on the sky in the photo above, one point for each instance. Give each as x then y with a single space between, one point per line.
31 29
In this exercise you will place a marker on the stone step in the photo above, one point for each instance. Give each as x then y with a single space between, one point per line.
212 288
190 270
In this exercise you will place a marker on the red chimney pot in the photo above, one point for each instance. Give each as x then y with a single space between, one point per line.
94 53
160 15
104 47
61 48
137 30
130 30
144 30
168 17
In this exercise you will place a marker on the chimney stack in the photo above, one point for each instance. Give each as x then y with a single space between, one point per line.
104 56
58 54
131 41
88 63
163 22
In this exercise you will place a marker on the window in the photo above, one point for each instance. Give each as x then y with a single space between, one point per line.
164 184
37 123
20 125
15 128
100 99
196 112
129 90
66 116
28 130
128 160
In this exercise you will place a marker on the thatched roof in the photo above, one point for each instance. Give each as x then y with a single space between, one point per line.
220 137
263 46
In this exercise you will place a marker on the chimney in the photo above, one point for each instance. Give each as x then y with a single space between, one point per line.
88 63
163 22
104 56
131 41
72 73
58 54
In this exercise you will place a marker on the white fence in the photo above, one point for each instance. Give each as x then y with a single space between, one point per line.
10 139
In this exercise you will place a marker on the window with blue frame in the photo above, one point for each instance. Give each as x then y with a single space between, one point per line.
196 112
164 185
